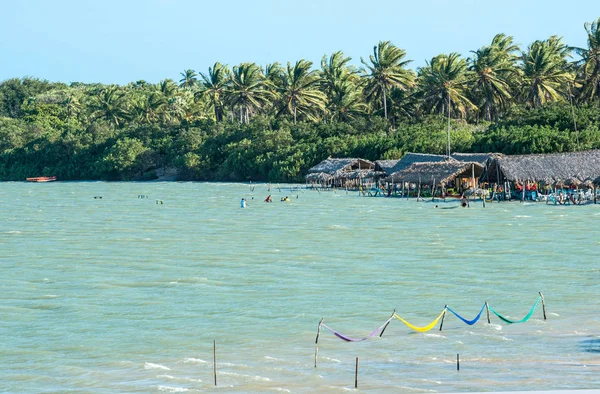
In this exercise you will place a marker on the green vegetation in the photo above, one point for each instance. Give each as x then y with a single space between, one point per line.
272 123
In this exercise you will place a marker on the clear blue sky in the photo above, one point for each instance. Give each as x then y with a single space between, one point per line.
119 41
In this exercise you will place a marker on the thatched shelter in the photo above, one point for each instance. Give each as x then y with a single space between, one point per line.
438 173
480 158
386 166
318 177
411 158
331 165
546 168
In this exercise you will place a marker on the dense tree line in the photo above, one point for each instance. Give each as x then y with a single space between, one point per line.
274 122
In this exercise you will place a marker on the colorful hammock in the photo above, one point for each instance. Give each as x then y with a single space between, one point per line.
348 339
469 322
523 320
421 329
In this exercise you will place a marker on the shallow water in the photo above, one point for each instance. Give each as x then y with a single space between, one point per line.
122 294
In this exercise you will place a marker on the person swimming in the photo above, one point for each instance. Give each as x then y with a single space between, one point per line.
268 199
285 199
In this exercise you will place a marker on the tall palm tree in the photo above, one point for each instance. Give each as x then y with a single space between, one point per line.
385 71
147 108
345 101
546 76
335 70
444 84
299 93
188 79
247 91
167 87
588 72
213 85
495 72
112 106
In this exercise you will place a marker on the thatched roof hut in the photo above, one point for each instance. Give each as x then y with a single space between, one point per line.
318 177
385 166
438 172
411 158
548 168
331 166
480 158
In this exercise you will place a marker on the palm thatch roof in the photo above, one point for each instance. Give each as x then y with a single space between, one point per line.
438 172
548 168
385 166
318 177
331 166
480 158
361 174
411 158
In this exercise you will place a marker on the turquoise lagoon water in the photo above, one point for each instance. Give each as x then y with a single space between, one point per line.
121 294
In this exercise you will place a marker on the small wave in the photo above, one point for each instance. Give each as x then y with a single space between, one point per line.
335 360
282 390
156 366
185 379
272 358
13 232
522 216
190 360
434 336
553 314
169 389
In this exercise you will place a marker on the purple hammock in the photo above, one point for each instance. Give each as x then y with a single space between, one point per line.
348 339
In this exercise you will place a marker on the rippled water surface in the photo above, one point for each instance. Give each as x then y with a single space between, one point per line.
121 294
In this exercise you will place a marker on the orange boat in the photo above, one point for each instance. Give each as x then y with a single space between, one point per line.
41 179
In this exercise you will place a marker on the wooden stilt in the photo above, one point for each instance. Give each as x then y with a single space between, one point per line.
316 355
487 309
387 324
443 316
215 360
356 374
543 305
319 331
457 362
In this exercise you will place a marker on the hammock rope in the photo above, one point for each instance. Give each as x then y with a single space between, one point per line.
523 320
424 328
349 339
469 322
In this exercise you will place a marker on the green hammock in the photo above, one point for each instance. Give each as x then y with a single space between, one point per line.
506 320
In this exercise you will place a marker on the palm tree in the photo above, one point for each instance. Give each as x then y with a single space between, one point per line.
495 72
546 76
345 101
299 91
247 91
444 83
111 105
589 65
148 108
385 71
73 106
213 86
167 87
188 79
335 70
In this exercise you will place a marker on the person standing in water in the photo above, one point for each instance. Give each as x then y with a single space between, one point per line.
243 203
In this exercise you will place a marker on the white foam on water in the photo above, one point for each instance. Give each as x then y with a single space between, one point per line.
335 360
434 335
169 389
282 390
522 216
272 358
190 360
13 232
156 366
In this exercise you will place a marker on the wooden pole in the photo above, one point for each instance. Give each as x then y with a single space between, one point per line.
317 341
387 324
543 305
319 330
443 316
457 362
356 374
215 360
487 308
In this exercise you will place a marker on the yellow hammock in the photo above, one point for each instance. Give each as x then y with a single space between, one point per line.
421 329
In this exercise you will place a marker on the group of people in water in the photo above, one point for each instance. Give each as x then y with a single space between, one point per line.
244 204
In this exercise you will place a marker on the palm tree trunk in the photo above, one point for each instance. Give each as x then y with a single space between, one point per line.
384 102
294 113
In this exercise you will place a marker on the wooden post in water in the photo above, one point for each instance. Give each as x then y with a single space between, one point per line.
215 360
457 362
543 305
317 341
356 374
487 309
387 324
443 316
